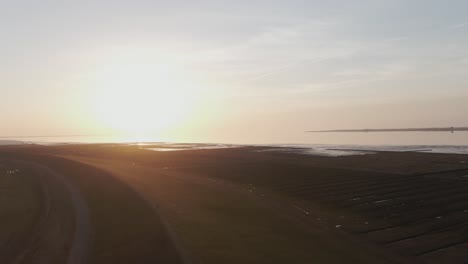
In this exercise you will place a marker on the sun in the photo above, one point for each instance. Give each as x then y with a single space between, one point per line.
142 99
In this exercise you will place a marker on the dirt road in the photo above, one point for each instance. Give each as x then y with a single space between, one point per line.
81 238
58 211
49 234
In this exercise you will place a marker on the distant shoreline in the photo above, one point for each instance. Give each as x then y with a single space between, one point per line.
429 129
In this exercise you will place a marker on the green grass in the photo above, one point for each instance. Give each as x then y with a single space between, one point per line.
226 228
124 228
221 226
20 206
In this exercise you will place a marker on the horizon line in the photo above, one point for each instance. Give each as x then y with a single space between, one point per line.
424 129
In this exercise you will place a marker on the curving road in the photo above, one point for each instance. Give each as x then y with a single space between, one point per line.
55 186
80 245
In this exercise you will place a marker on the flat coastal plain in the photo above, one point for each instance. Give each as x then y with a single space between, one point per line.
116 203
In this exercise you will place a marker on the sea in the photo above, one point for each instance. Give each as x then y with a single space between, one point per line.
324 144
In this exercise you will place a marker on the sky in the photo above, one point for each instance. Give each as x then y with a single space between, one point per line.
230 71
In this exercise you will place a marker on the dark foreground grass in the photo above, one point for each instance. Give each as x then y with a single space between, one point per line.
36 216
20 206
124 228
220 225
214 222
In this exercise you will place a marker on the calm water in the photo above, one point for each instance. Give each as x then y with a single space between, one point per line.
315 142
327 144
377 138
389 138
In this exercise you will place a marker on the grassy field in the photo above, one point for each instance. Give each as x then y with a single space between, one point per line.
36 220
219 223
21 200
125 229
250 206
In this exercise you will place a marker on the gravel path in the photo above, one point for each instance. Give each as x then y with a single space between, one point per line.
81 235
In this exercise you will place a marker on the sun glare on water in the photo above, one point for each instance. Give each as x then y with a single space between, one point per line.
142 99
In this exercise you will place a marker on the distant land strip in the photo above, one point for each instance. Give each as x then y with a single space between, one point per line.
424 129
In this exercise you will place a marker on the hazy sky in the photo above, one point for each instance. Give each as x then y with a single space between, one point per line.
243 71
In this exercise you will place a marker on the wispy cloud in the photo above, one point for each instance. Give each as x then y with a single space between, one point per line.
457 26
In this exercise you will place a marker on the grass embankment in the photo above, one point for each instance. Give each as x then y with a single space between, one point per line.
20 208
219 225
124 228
36 220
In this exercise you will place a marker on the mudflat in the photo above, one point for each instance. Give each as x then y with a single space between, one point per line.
238 205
